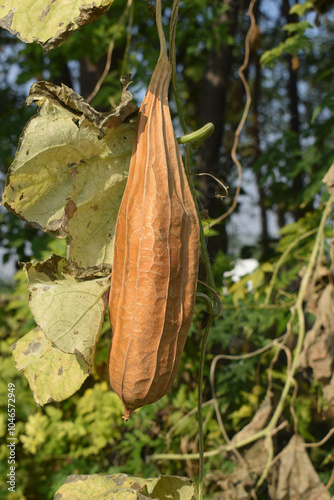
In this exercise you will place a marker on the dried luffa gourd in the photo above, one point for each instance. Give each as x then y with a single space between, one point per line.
155 264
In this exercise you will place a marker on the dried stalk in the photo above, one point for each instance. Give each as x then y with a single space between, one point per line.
244 115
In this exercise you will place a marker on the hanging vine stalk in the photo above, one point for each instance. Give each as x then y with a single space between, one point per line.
244 115
204 251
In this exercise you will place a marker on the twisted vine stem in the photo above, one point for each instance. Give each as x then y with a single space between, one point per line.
244 115
205 256
202 238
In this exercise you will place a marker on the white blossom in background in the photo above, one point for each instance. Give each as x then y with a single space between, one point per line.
242 267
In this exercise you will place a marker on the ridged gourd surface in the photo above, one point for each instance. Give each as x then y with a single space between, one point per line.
155 266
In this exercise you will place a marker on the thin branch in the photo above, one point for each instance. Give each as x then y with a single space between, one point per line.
216 294
320 443
200 403
282 259
305 445
292 408
218 182
270 446
326 488
219 417
109 54
183 419
244 115
240 357
261 306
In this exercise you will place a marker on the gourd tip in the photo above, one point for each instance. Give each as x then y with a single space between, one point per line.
127 414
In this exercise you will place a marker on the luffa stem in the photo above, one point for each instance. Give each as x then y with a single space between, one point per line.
161 34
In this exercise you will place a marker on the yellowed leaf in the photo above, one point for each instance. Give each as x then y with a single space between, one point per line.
52 374
48 22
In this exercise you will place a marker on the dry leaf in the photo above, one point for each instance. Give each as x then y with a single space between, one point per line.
70 311
329 179
258 422
297 479
66 97
47 22
124 487
318 350
237 485
52 374
69 175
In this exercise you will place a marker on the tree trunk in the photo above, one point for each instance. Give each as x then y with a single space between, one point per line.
89 74
292 90
212 109
64 77
256 139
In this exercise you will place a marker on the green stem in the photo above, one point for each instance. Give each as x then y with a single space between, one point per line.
172 58
207 127
162 39
128 40
196 138
197 135
204 249
172 31
281 260
200 404
204 298
185 131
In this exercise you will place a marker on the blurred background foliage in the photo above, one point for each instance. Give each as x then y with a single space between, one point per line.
285 149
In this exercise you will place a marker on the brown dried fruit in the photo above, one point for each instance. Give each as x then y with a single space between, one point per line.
155 265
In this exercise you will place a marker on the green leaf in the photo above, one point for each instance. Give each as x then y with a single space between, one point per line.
292 45
48 23
257 278
208 231
123 487
327 102
70 311
52 374
300 9
172 488
245 411
36 432
299 27
69 173
239 290
267 267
